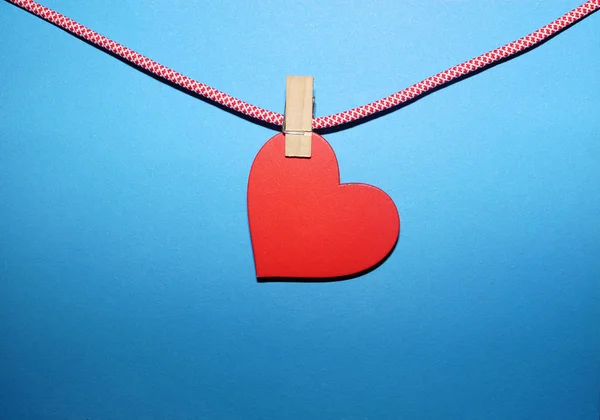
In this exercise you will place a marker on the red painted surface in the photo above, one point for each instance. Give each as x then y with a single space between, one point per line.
304 224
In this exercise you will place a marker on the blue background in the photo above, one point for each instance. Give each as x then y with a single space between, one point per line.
127 286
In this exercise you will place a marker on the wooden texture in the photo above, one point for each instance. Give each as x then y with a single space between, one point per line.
304 224
298 145
298 116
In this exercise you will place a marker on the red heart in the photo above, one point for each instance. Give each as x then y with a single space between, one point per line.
304 224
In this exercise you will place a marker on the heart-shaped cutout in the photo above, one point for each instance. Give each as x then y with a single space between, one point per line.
304 224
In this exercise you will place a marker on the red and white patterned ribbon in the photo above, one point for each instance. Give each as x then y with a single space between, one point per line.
353 115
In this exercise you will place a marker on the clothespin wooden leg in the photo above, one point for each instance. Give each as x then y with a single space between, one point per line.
297 125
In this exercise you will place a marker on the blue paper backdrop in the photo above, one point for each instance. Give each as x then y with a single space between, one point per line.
127 285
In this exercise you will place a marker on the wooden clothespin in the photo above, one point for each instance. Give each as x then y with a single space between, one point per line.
297 123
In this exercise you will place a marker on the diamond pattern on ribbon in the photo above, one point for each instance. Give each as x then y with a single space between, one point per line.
410 93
